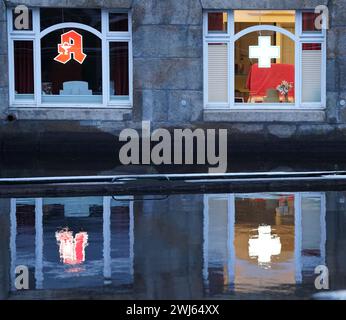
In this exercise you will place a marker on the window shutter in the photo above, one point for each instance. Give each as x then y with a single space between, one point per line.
217 73
311 75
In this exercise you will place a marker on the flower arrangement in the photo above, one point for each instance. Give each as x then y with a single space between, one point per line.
284 88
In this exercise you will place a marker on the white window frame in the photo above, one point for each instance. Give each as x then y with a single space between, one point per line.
106 36
230 38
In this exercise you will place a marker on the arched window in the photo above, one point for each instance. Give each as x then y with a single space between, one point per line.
264 60
71 58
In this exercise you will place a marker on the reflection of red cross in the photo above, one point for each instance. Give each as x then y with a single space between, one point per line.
72 249
71 46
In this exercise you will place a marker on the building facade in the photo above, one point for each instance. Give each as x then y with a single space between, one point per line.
178 64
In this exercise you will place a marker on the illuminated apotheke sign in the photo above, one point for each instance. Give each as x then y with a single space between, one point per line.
264 52
71 47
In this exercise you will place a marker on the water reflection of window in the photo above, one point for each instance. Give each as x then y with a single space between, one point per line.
108 225
230 221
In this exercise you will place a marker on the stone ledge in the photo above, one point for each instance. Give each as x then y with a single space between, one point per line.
117 4
264 116
71 114
262 4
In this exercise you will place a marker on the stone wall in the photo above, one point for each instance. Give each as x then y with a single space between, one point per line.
168 79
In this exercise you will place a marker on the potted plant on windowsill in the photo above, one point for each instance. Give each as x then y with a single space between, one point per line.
284 88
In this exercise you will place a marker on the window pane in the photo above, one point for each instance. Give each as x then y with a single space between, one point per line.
311 72
24 69
52 16
74 80
118 22
309 19
19 21
119 70
281 18
264 68
217 22
217 72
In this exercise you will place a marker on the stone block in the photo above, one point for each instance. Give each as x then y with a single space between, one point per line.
168 41
170 74
155 105
179 12
185 106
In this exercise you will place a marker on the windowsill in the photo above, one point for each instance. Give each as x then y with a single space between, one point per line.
85 113
265 115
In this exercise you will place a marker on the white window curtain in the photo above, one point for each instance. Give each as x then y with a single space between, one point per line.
217 72
311 75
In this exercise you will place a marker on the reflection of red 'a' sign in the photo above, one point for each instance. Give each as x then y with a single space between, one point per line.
71 44
72 249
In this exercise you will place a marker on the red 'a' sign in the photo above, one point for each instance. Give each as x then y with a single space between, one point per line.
71 46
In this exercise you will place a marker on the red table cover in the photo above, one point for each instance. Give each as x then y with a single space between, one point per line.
261 79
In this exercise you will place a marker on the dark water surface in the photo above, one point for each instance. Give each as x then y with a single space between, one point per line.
228 246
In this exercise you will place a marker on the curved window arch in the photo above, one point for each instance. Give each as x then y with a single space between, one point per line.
70 25
265 28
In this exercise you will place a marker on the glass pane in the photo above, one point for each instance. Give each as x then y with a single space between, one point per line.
52 16
22 21
72 72
119 70
217 22
309 19
264 68
311 72
248 18
118 22
24 70
218 72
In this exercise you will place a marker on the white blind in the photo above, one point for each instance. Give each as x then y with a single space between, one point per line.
311 75
217 73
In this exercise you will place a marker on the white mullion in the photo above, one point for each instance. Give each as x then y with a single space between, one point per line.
132 237
231 56
323 229
130 71
39 277
205 60
37 57
206 239
105 58
13 243
298 61
107 237
231 239
10 57
11 71
298 236
324 74
130 54
298 74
